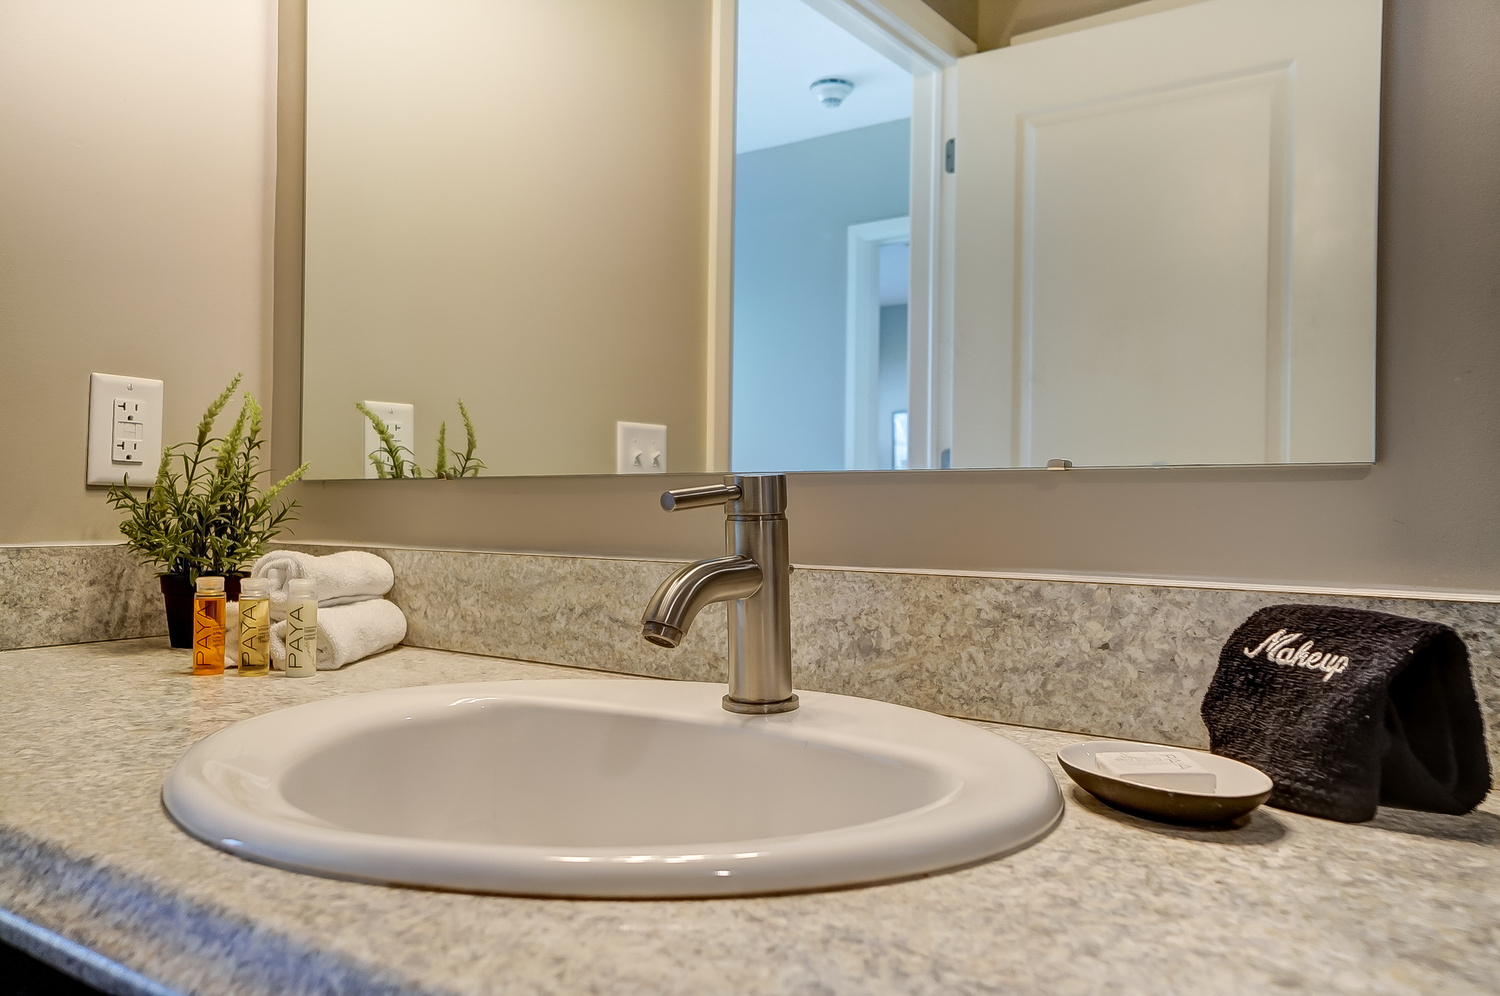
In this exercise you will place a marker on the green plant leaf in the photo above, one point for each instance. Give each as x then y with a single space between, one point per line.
468 465
197 520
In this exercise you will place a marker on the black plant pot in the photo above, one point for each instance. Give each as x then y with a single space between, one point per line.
177 591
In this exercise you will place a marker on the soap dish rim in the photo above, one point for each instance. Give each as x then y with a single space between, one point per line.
1153 802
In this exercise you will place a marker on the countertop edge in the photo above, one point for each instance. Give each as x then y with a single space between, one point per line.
74 960
125 913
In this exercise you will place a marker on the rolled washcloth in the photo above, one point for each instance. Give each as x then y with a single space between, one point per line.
347 633
1348 709
350 576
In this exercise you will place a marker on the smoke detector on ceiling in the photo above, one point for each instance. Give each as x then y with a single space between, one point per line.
831 90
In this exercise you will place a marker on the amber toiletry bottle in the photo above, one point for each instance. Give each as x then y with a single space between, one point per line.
208 626
255 626
301 628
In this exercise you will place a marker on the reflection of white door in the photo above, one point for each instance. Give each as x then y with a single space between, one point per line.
1165 247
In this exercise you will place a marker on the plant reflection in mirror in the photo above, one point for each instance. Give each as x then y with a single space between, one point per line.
392 460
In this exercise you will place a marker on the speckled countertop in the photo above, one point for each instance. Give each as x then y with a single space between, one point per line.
91 866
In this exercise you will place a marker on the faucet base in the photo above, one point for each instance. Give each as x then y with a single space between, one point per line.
759 708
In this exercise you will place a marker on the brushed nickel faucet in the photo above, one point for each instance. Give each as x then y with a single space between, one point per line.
754 575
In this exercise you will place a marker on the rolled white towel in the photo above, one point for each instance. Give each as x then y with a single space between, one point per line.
350 576
231 634
347 633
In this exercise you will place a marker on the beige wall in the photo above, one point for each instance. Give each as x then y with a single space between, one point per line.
962 14
997 21
135 167
507 203
1426 515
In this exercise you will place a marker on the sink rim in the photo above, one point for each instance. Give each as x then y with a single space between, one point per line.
1003 798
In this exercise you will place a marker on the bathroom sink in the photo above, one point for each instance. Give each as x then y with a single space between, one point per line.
603 788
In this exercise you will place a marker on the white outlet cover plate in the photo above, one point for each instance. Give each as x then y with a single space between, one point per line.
401 419
640 448
103 466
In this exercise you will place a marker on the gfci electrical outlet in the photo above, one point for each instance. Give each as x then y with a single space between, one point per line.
124 429
401 420
640 448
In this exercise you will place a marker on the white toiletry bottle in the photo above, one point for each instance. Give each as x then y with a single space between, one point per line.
301 628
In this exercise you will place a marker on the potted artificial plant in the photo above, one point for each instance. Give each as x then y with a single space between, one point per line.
207 516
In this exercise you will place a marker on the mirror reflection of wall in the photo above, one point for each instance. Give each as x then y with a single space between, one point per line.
1140 237
505 203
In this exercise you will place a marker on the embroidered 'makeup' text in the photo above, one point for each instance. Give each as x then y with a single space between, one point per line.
1279 647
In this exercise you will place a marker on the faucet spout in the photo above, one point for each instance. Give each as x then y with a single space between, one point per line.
753 576
683 595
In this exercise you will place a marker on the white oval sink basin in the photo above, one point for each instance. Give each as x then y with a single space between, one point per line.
609 788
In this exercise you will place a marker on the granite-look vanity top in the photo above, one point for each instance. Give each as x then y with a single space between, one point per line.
1409 902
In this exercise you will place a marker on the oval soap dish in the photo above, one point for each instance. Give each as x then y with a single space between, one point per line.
1239 789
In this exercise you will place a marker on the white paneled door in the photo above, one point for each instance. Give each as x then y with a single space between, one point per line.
1165 236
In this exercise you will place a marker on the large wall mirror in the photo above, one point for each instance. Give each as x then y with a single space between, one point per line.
1141 237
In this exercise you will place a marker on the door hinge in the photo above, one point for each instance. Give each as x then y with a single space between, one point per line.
950 155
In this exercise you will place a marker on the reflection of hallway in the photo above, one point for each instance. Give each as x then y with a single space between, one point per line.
794 203
895 289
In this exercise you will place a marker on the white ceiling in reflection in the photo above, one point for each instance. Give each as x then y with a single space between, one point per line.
784 45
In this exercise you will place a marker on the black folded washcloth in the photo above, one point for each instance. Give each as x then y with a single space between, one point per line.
1347 710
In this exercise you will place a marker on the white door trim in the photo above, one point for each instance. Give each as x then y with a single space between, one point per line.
862 338
929 343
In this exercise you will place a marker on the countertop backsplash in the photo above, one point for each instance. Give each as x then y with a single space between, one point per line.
1128 660
76 593
1109 659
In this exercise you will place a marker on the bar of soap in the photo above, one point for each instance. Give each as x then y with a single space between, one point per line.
1167 769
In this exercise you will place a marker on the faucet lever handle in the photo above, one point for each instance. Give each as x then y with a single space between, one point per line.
712 494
